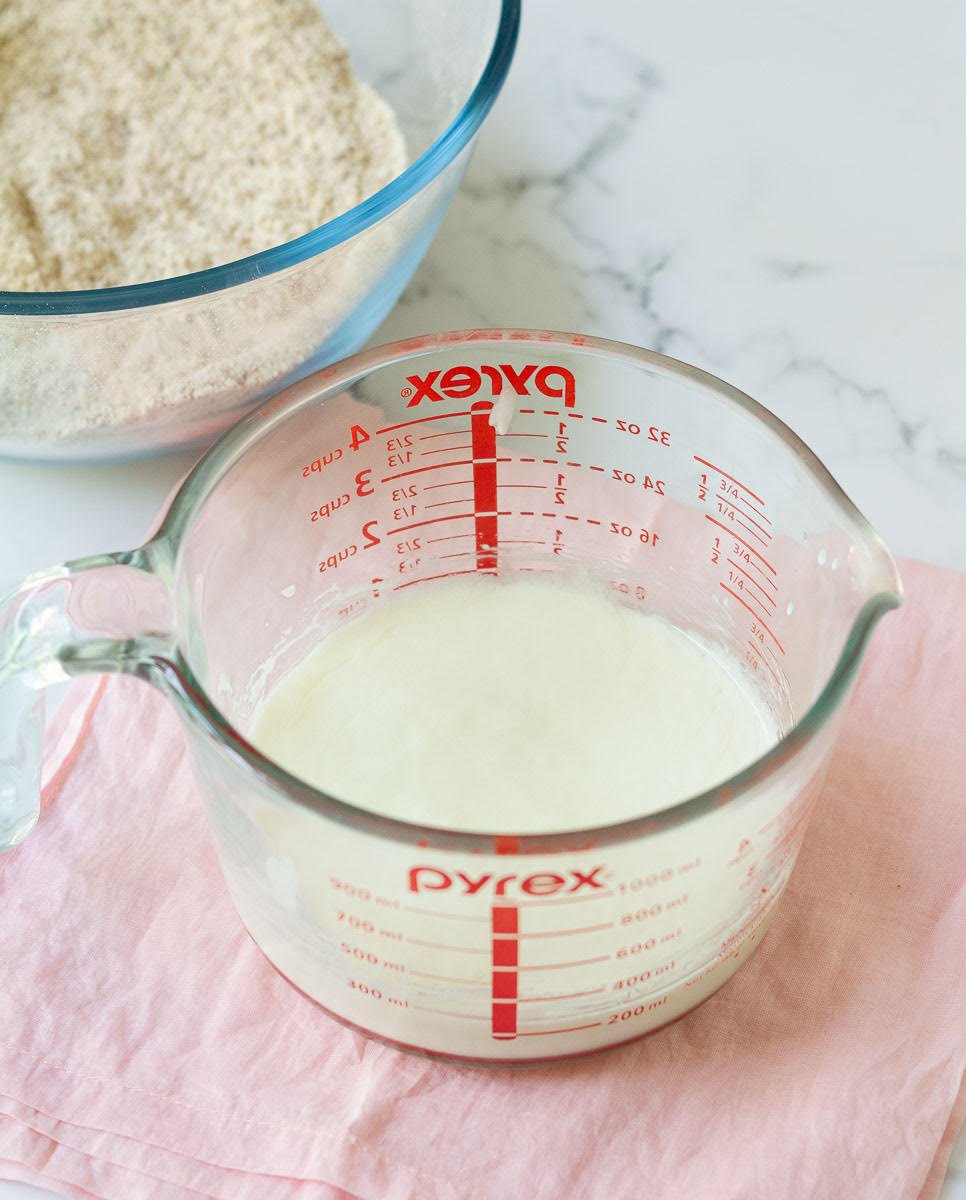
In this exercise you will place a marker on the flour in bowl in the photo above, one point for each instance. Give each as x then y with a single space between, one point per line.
149 138
145 139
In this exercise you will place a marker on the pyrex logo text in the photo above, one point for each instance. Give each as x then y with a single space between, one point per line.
435 879
459 383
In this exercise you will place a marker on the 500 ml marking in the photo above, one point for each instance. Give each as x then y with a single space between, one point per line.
372 959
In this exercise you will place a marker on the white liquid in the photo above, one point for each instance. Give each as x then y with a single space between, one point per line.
516 707
511 707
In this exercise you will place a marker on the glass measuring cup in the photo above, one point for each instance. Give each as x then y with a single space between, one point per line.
489 452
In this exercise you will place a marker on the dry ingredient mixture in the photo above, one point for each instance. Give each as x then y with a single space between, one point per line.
141 139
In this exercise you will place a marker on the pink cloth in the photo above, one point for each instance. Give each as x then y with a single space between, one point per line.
148 1051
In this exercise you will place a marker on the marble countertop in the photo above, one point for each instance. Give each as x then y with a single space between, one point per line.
772 192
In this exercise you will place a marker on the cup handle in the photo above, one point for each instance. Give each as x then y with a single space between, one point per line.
105 613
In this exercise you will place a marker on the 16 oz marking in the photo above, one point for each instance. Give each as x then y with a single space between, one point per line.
646 537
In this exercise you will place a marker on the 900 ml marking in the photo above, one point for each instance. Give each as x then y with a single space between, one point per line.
360 893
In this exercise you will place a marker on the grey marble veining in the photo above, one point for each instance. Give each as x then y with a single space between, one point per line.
772 194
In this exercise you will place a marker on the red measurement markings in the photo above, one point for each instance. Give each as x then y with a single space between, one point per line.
741 541
428 487
445 1012
744 487
505 931
771 583
760 655
460 462
569 932
754 582
580 962
444 503
446 946
569 996
744 506
431 521
756 615
569 1029
569 899
555 412
429 578
446 978
484 486
435 912
425 437
444 450
751 532
420 421
453 537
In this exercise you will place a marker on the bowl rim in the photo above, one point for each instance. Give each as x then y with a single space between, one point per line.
434 159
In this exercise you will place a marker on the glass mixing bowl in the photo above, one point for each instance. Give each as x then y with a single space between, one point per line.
120 372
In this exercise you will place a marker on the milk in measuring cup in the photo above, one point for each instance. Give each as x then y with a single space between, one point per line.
512 707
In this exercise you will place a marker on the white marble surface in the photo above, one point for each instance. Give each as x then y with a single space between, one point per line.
773 192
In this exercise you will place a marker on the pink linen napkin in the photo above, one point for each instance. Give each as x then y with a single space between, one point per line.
147 1050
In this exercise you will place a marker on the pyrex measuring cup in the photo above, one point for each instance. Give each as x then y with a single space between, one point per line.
490 452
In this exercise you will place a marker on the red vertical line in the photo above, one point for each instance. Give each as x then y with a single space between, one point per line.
505 926
484 486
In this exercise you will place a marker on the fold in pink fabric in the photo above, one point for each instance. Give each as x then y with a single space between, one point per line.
148 1051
